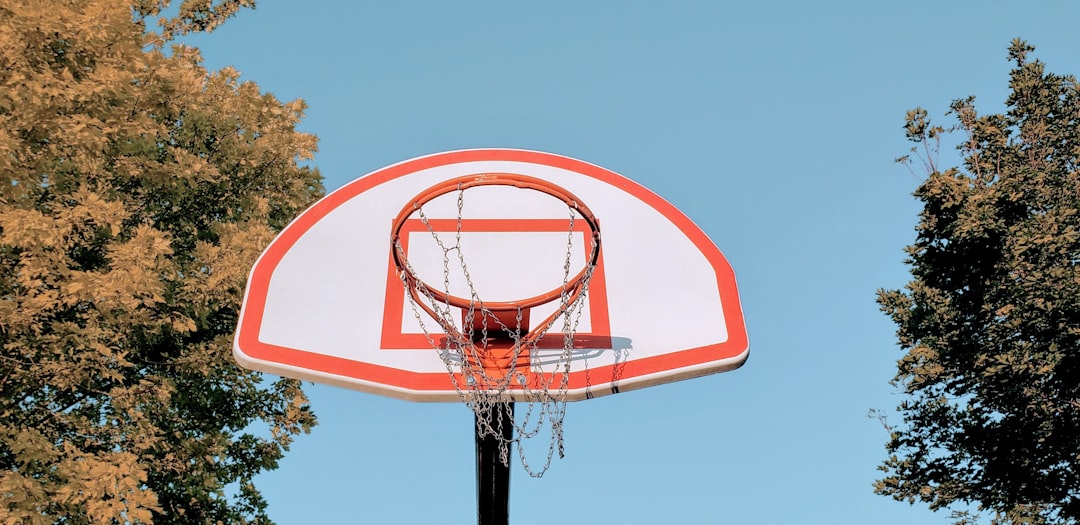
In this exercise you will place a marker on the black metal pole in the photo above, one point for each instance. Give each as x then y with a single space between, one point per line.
492 477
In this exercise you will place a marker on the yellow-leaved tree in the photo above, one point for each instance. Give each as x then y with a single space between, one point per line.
136 189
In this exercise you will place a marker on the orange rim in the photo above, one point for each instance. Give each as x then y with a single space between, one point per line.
573 288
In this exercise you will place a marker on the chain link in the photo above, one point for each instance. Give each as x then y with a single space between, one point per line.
544 391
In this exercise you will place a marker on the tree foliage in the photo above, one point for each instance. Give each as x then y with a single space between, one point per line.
990 323
136 190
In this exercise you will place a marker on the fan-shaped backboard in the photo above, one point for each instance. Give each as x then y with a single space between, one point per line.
324 302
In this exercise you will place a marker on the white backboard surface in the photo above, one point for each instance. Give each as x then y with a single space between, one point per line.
324 303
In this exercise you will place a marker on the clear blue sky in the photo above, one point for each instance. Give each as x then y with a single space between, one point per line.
773 125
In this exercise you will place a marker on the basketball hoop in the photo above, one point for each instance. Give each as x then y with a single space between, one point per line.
489 354
325 303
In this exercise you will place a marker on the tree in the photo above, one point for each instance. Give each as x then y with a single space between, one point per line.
990 323
136 190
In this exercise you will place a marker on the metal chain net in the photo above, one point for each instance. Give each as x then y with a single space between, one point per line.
541 383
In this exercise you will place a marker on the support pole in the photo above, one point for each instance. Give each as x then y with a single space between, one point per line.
492 477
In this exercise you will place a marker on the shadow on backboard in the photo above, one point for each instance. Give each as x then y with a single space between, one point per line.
588 353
